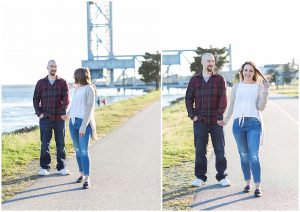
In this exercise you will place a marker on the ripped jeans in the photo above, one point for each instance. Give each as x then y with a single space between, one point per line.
247 135
81 145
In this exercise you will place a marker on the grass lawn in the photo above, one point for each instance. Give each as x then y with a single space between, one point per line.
290 90
20 151
178 139
178 157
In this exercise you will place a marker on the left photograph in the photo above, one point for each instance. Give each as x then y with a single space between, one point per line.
81 117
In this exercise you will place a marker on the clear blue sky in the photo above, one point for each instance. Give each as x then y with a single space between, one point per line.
35 31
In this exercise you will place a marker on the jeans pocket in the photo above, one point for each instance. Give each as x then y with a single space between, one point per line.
255 122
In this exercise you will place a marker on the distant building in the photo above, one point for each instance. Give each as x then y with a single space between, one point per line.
229 76
176 79
283 71
279 68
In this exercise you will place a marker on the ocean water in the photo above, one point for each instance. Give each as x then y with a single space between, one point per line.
171 94
17 109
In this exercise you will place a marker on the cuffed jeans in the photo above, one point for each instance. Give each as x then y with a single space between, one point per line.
247 135
201 131
81 144
46 127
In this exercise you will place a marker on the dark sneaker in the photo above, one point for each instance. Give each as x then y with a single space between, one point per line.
257 193
247 189
86 185
80 179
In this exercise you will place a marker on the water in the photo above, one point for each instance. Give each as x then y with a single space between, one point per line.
171 94
17 107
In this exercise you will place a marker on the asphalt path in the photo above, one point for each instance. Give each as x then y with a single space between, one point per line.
126 173
279 164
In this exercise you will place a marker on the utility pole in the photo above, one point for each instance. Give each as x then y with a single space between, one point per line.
230 61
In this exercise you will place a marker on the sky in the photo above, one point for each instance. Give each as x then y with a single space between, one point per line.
33 32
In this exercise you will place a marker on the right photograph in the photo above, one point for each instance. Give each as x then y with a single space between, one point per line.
230 108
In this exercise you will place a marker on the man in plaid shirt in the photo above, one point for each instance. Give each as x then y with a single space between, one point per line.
205 103
50 101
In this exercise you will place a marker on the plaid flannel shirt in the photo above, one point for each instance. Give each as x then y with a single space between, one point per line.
51 100
206 100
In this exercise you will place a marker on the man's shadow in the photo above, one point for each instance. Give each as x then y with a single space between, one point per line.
194 205
40 188
28 178
185 191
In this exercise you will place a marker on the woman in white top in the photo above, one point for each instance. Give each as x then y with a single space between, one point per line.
82 123
248 97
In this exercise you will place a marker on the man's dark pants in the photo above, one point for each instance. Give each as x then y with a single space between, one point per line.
46 127
201 131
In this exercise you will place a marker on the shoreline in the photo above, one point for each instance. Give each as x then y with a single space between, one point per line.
22 130
174 102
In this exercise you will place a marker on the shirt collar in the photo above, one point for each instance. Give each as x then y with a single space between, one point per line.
201 75
57 78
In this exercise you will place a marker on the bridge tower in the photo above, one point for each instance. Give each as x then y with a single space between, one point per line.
100 43
99 38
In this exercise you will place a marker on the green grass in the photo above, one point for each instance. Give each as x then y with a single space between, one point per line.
20 151
178 139
289 90
178 157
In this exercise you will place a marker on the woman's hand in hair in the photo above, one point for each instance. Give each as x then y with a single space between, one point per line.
266 85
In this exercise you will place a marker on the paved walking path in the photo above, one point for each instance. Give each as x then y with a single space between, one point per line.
279 161
126 173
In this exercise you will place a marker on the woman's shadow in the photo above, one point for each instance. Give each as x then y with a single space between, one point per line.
220 197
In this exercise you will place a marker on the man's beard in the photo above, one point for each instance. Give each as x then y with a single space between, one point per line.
53 73
210 69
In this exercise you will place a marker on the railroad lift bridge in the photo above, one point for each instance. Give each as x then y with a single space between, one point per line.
102 61
172 58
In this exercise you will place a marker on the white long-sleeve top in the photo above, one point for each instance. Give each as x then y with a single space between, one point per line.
83 105
78 103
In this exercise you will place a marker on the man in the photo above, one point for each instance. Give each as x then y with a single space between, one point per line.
208 92
50 101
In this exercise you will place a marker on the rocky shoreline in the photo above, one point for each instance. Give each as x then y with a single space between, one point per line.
22 130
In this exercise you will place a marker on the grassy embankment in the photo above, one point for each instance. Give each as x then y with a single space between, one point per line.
178 158
289 90
20 151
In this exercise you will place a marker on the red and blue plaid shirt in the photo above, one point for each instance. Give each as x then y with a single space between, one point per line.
51 100
206 100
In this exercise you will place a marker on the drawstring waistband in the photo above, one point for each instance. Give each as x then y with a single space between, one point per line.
241 121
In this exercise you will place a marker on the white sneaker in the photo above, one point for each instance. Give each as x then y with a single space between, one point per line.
198 182
64 171
43 172
224 183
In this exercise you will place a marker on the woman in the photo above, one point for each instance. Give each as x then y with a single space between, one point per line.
248 97
82 122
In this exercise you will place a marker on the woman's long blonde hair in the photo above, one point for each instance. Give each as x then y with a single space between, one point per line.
258 76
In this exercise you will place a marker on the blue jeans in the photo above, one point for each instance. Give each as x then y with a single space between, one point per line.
81 144
201 131
46 127
247 136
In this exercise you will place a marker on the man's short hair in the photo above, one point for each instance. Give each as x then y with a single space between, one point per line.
50 61
204 55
